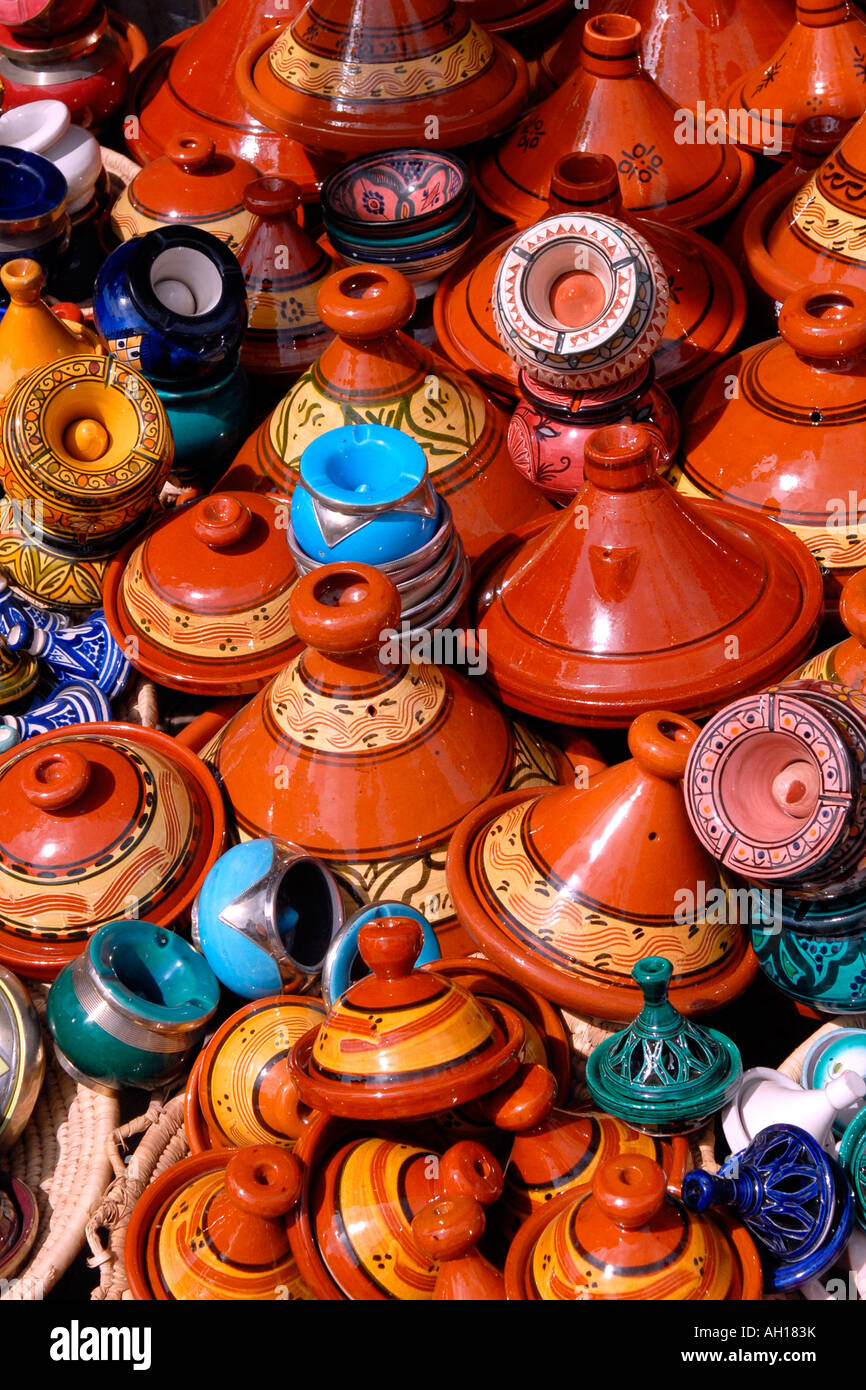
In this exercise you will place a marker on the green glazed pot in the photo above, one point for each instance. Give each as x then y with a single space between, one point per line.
132 1009
209 424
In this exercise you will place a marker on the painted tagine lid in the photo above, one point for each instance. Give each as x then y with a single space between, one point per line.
626 1236
97 823
382 75
193 182
532 885
22 1058
190 80
845 663
628 597
284 269
214 1227
818 70
362 762
692 48
202 602
786 442
376 373
31 335
404 1043
610 102
663 1074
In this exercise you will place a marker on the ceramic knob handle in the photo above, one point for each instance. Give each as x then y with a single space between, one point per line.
343 609
366 301
390 946
54 779
523 1102
817 137
23 280
271 197
660 743
653 977
611 46
701 1190
852 606
468 1169
191 151
620 458
221 521
449 1227
825 325
630 1189
587 181
264 1180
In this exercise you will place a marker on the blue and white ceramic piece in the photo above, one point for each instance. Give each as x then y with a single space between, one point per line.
363 495
793 1197
265 916
34 221
819 955
343 962
836 1051
72 702
86 652
766 1097
173 305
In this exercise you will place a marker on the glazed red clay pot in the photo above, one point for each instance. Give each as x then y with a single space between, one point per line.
87 68
43 17
787 441
384 74
189 81
844 663
818 70
635 594
508 16
362 763
610 103
374 373
548 887
692 48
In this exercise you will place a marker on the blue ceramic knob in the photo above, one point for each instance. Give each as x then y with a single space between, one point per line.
87 651
133 1009
344 964
33 217
363 495
173 305
14 609
265 916
793 1197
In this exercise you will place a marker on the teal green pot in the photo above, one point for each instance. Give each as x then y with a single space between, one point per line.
209 424
133 1009
820 958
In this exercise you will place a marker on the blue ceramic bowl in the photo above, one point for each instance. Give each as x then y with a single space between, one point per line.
133 1009
343 963
351 480
174 305
403 241
265 916
33 217
819 958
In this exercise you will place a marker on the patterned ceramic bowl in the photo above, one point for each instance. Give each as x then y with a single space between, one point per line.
415 190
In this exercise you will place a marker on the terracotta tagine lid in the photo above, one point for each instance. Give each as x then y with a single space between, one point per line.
99 822
190 81
374 373
388 73
692 48
31 336
404 1043
812 234
626 1236
532 886
193 182
363 763
213 1226
818 69
244 1090
845 663
284 269
786 442
202 603
644 595
610 102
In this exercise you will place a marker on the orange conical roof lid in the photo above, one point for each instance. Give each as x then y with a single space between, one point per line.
634 594
611 103
31 334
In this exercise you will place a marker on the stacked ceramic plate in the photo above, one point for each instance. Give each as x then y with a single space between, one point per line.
432 582
411 209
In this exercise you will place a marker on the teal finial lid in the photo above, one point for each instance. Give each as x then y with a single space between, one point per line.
852 1156
663 1074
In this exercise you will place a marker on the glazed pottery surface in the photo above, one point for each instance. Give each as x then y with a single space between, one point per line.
533 888
43 16
405 192
841 1049
610 103
625 600
349 83
852 1156
34 221
766 1097
31 336
374 374
818 957
845 662
22 1059
362 763
86 68
19 1225
85 652
46 128
141 822
343 963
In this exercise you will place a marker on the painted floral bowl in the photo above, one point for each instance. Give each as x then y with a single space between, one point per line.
401 241
819 959
413 189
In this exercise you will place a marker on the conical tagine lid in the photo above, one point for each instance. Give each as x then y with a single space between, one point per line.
374 374
611 103
635 595
383 74
569 889
363 762
845 663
